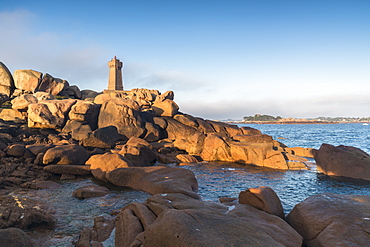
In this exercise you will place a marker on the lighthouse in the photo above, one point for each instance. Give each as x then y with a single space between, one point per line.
115 81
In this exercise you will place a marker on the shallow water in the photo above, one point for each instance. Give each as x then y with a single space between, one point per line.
74 214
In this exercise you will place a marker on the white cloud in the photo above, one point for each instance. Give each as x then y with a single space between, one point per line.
26 46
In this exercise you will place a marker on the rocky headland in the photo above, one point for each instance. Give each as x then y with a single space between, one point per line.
50 130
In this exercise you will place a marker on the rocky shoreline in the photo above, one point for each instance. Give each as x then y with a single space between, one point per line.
50 130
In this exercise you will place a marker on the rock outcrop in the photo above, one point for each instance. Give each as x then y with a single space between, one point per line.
6 80
15 237
27 80
156 180
332 220
343 161
123 114
49 113
52 85
263 198
100 164
66 155
179 220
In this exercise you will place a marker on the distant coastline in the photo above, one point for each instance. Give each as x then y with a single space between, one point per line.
286 122
297 121
268 119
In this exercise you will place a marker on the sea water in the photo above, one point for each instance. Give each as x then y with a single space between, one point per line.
292 186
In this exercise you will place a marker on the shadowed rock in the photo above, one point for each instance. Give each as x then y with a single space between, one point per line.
343 161
66 155
184 221
332 220
14 237
90 191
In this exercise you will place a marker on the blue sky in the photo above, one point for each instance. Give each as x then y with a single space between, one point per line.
223 59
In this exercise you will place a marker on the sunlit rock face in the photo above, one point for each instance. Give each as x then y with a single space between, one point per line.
49 113
27 79
124 114
6 80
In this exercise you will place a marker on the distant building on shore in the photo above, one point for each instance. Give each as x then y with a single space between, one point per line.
115 82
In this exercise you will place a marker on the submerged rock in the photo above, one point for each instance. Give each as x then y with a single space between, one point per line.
90 191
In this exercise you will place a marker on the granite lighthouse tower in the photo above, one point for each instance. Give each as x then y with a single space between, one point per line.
115 81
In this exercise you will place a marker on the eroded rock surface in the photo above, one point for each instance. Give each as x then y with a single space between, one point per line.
332 220
343 161
178 220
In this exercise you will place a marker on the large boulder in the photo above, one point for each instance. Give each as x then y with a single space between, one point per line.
49 113
332 220
88 94
73 91
85 111
143 96
218 148
27 79
178 220
166 108
6 80
343 161
51 85
139 152
15 237
263 198
186 137
100 164
90 191
66 155
43 96
21 102
124 114
11 115
105 137
156 179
